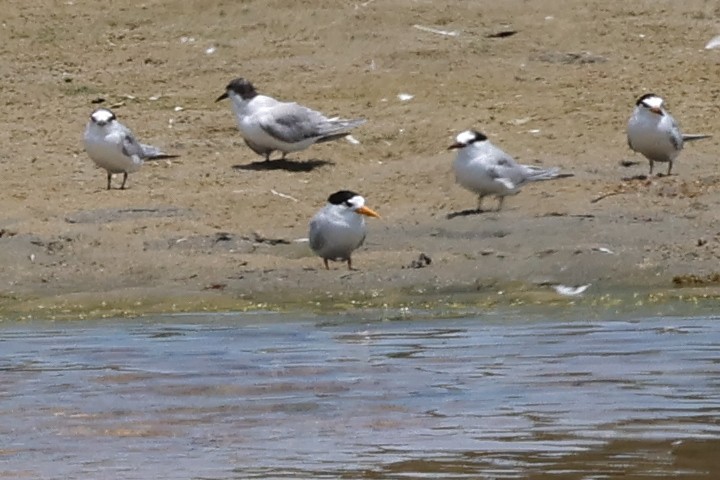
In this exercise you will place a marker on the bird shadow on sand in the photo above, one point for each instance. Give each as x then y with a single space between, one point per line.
465 213
635 178
284 164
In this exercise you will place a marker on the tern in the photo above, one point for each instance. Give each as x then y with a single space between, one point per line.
112 146
653 132
267 124
338 228
484 169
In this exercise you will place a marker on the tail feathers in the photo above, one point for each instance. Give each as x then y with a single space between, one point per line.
689 137
330 138
337 128
162 156
154 153
538 173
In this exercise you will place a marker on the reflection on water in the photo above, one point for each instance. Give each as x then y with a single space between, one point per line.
255 396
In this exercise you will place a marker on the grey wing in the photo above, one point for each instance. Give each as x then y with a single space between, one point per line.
676 137
494 172
362 240
132 147
505 167
500 174
317 239
154 153
150 151
292 123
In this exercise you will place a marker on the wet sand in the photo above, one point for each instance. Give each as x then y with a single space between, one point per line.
217 229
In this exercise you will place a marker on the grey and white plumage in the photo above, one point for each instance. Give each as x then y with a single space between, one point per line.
485 169
653 132
339 228
267 124
112 146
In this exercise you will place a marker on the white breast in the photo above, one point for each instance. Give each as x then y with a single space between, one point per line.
105 149
651 135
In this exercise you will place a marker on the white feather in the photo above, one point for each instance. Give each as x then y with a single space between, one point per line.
571 291
713 43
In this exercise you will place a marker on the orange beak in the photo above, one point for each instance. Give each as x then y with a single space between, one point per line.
367 211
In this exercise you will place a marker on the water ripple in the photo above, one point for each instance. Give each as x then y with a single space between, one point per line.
253 396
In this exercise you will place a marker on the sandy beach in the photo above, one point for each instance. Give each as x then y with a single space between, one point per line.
552 83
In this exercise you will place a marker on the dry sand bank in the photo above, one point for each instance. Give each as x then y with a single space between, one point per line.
207 231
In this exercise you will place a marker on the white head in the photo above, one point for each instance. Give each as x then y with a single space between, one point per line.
350 202
102 117
651 102
468 137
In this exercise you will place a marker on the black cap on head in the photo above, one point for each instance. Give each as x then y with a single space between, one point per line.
643 98
466 138
339 198
241 87
479 136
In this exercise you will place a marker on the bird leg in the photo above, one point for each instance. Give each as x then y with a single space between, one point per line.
651 167
109 180
669 168
500 203
327 267
480 200
350 267
125 175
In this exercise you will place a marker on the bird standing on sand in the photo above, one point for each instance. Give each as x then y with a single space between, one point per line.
267 124
339 227
112 146
484 169
653 132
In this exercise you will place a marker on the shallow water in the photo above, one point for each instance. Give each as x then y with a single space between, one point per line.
265 396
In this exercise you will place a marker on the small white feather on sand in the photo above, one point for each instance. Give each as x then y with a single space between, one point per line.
447 33
713 43
571 291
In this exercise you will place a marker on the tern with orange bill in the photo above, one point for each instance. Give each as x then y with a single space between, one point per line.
339 228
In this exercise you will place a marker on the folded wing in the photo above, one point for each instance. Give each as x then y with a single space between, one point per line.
293 123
